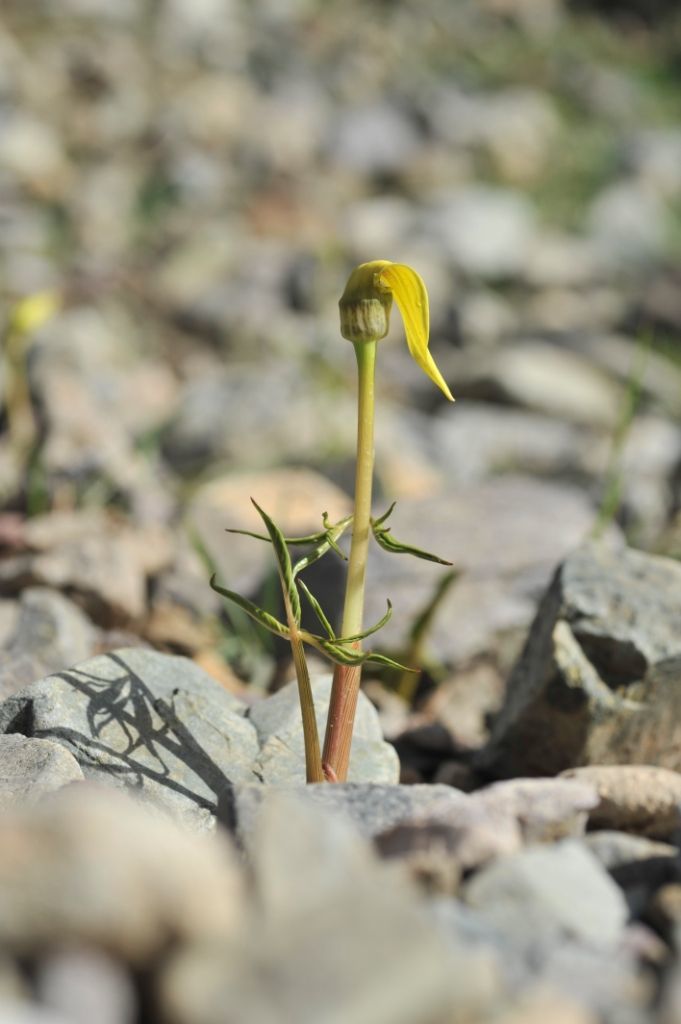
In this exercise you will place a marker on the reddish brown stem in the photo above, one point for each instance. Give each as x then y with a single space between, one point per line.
338 739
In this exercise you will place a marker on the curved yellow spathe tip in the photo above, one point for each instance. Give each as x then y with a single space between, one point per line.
365 309
410 294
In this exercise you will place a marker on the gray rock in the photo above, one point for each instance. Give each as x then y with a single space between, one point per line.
559 261
545 809
294 498
654 155
30 768
637 798
608 983
98 868
94 556
316 879
547 379
627 223
599 681
84 986
374 139
592 979
548 891
625 359
377 224
539 1003
506 535
145 721
16 1012
9 616
50 633
650 455
371 809
282 754
480 440
473 828
513 127
486 231
616 849
485 317
428 852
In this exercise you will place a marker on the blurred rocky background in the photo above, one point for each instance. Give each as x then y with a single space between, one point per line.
192 182
184 188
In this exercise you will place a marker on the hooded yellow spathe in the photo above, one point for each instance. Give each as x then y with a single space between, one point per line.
365 310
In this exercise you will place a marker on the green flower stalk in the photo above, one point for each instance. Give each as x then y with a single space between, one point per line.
365 318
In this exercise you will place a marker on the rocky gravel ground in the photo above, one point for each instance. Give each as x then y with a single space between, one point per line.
185 186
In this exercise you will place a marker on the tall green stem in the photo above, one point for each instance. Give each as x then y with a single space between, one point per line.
313 759
353 610
346 679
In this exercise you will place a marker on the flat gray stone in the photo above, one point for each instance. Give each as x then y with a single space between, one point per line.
315 877
146 721
92 867
634 797
475 828
371 809
545 809
153 722
616 849
599 680
506 535
50 633
29 768
86 985
281 760
549 890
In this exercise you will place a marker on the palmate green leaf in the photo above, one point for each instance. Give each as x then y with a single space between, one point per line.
260 616
318 610
385 539
281 552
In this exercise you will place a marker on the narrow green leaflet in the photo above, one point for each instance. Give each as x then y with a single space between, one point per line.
346 655
284 562
328 541
382 519
318 610
386 540
367 632
263 617
333 532
311 538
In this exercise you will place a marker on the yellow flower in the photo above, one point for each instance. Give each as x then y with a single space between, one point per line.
30 313
365 310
